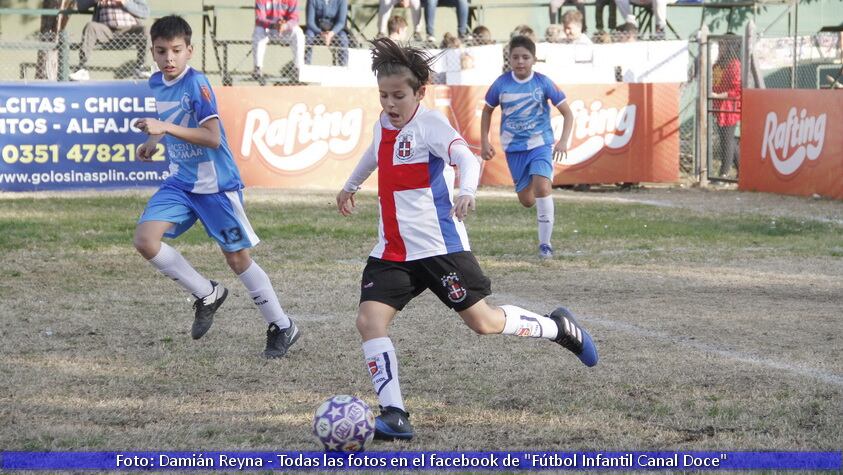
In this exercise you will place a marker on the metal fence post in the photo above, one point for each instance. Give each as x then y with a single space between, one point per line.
64 56
702 109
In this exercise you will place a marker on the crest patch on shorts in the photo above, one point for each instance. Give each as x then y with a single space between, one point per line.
456 291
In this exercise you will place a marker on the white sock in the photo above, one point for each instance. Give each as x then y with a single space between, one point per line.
544 216
382 365
522 322
260 289
172 264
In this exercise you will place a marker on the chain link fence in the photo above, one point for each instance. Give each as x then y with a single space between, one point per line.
804 62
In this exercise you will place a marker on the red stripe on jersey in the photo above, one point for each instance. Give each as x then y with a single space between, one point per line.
392 178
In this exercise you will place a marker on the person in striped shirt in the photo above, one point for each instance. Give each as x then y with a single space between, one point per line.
422 242
276 19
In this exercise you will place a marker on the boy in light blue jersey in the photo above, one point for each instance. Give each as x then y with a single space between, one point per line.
526 134
204 185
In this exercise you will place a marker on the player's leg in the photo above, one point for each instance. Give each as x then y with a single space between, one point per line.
540 169
385 288
169 213
559 326
226 222
518 165
281 331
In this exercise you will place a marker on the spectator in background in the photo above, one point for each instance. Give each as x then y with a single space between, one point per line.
524 30
114 20
626 33
572 24
482 36
659 8
326 26
396 28
726 92
276 19
385 8
449 41
598 14
555 5
602 37
430 17
555 34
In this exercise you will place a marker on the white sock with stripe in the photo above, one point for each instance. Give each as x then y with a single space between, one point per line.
382 365
520 322
544 216
172 264
260 289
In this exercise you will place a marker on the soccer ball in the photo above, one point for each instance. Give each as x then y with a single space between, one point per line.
344 423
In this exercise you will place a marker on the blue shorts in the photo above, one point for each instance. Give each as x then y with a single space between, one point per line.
221 213
523 165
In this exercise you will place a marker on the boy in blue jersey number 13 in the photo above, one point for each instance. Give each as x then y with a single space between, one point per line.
526 134
204 184
422 242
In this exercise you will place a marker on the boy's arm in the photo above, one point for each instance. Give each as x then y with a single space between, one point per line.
469 168
147 149
562 146
206 135
486 150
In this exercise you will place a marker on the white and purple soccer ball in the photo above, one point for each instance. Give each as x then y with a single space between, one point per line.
344 423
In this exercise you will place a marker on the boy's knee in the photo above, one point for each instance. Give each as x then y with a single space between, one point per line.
146 246
368 326
239 261
527 202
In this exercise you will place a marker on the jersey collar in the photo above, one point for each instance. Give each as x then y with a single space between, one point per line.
177 79
522 81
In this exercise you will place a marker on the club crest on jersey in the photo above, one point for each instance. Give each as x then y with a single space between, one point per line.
185 103
404 147
456 292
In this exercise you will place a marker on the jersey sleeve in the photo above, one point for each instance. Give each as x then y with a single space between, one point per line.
365 167
552 92
203 99
440 136
493 94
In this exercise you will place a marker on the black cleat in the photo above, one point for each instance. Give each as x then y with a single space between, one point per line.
206 307
574 337
279 341
392 424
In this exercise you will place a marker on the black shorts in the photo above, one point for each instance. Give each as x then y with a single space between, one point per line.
455 278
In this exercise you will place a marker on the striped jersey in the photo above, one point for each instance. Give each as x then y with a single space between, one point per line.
415 188
189 101
525 113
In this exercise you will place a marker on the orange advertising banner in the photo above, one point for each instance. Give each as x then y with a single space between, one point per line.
312 136
792 142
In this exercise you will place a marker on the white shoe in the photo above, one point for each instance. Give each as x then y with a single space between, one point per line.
81 75
545 252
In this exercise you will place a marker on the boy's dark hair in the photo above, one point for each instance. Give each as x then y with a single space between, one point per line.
389 58
522 42
171 27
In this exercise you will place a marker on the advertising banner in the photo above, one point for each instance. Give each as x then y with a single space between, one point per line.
59 136
314 136
55 137
792 143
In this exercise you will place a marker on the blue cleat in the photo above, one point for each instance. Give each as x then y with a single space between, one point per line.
573 336
392 424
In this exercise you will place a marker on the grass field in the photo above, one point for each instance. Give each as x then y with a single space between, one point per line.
717 316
